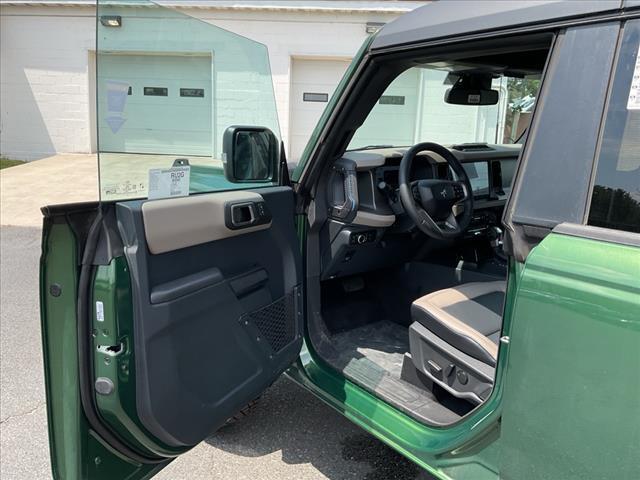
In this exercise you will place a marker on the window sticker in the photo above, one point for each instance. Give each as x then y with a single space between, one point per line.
169 182
633 103
117 93
125 188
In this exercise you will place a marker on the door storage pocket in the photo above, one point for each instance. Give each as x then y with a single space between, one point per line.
276 322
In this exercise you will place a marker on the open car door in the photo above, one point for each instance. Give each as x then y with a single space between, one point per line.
175 300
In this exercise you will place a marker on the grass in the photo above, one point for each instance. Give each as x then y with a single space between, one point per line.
6 163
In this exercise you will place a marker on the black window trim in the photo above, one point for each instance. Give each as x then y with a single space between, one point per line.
533 230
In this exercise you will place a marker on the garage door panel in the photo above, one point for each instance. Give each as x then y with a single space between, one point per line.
310 76
183 144
162 119
184 117
395 122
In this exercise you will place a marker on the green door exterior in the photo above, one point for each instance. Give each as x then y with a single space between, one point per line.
572 367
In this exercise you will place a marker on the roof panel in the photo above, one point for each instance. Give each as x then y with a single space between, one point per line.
447 18
346 6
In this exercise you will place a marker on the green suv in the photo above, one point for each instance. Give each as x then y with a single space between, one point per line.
453 264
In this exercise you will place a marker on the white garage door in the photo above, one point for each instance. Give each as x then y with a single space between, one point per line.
312 84
159 104
393 119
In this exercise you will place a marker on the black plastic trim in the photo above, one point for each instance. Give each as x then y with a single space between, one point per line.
183 286
598 233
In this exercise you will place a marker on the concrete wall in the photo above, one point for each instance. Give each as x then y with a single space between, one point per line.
46 72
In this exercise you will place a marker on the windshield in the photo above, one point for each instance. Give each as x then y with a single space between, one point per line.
412 110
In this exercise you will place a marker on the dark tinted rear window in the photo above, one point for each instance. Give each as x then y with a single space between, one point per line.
615 202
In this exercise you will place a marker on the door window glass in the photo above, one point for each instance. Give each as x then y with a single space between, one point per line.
615 201
168 86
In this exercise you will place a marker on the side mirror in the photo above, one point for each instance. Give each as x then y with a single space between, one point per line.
472 89
250 154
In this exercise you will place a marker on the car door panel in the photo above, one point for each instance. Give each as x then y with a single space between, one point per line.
575 327
214 317
171 344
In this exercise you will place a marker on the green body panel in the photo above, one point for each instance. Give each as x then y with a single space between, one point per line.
76 453
112 287
572 401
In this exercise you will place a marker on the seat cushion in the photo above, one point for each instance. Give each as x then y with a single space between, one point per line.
468 317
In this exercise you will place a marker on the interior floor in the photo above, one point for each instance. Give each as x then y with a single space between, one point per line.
383 343
365 335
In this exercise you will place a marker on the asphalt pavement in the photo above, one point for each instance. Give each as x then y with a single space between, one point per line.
290 435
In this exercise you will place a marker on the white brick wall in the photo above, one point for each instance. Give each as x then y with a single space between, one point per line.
44 84
45 72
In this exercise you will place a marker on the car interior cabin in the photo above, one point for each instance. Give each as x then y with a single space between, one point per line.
415 316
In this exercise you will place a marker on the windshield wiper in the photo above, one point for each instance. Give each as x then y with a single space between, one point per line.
369 147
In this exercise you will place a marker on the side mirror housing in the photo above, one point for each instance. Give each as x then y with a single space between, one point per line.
250 154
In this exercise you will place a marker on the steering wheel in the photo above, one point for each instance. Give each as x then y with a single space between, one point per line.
432 203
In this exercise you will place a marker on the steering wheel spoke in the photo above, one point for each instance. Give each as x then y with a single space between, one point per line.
451 223
415 192
441 208
460 191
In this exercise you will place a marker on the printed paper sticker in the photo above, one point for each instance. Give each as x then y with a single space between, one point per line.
169 182
99 311
633 103
127 187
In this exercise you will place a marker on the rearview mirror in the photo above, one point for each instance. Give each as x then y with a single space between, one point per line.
249 154
472 89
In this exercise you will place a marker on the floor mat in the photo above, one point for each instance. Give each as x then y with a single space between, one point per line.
371 356
383 343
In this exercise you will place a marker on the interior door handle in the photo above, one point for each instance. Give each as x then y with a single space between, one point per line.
243 214
246 214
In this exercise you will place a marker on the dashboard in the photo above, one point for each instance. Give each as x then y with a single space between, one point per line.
491 169
367 222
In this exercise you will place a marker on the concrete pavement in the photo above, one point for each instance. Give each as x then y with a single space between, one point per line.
291 434
69 178
58 179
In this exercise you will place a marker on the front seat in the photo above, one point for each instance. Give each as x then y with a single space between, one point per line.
454 337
